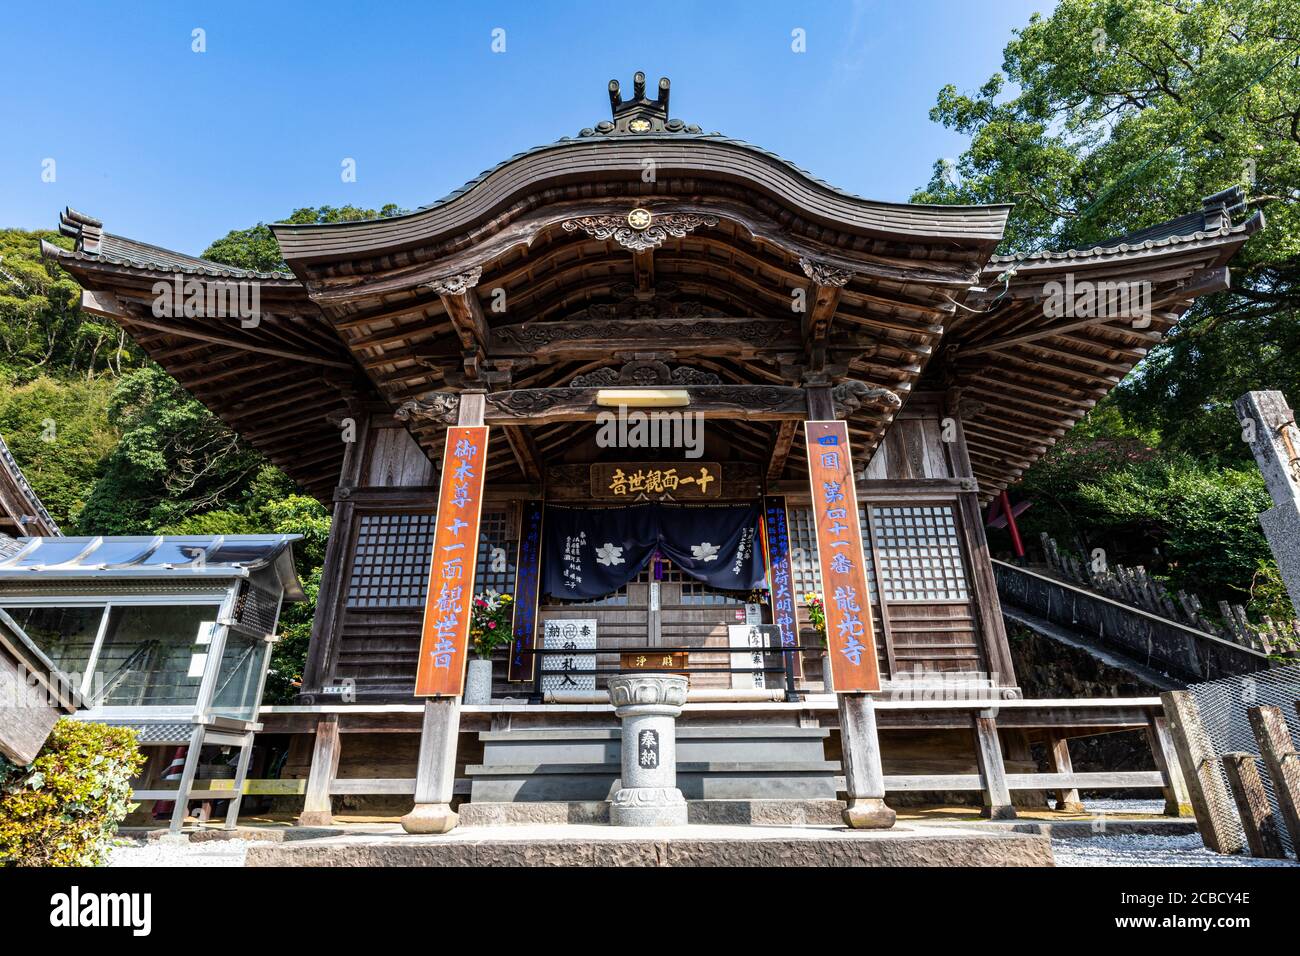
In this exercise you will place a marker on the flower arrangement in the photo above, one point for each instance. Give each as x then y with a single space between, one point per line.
489 623
816 613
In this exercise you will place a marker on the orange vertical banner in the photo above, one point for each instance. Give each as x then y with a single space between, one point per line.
850 641
444 640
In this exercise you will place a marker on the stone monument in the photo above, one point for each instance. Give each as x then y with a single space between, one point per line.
648 705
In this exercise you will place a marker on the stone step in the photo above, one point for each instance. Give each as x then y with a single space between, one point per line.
698 744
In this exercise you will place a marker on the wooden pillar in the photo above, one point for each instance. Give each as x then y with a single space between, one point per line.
993 772
864 775
435 775
316 809
1253 807
983 583
241 774
1283 764
1177 801
1215 818
321 650
187 780
1058 752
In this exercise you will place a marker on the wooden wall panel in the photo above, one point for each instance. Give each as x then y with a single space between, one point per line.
397 461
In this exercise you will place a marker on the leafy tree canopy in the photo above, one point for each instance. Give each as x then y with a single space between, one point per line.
256 248
1111 116
42 328
1108 117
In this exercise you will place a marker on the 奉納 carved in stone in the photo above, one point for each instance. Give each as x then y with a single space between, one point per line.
437 406
852 394
663 226
825 274
457 284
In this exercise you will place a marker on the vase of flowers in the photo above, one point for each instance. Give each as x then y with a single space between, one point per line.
817 621
489 628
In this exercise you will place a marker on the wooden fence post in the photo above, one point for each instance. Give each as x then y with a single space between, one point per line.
1215 818
1253 806
1177 801
993 772
1283 764
316 809
1058 752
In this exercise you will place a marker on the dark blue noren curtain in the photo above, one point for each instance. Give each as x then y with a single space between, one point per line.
591 552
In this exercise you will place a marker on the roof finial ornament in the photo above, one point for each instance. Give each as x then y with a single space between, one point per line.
639 114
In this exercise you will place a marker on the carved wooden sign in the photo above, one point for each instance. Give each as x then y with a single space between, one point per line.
657 479
665 660
444 640
850 639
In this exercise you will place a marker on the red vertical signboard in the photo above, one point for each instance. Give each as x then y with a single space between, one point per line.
850 641
444 641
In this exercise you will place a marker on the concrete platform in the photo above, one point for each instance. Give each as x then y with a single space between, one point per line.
789 813
592 845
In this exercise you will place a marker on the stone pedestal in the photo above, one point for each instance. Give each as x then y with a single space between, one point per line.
648 706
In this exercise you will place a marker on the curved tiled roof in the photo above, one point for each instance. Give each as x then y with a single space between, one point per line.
96 245
706 154
18 502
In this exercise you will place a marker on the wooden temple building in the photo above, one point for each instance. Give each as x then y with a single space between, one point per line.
648 264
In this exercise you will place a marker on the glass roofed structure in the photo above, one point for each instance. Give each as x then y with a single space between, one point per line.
168 635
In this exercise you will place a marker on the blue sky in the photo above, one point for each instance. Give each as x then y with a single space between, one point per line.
176 148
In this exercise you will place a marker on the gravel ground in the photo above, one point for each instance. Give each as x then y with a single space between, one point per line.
1139 850
207 853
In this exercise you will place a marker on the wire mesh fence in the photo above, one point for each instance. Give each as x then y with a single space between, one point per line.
1223 704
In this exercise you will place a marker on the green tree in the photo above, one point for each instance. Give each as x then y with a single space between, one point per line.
174 459
42 328
59 433
1125 114
1112 116
256 248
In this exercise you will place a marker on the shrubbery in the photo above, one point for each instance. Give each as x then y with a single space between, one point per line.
64 808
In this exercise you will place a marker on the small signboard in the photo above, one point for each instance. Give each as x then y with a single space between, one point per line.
666 660
756 637
568 636
523 663
657 479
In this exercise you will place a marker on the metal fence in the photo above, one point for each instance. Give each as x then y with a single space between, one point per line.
1222 707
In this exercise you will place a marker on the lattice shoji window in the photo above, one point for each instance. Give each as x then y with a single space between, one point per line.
920 553
390 567
804 562
495 570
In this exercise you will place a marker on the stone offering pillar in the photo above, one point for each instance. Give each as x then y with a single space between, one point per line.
648 706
